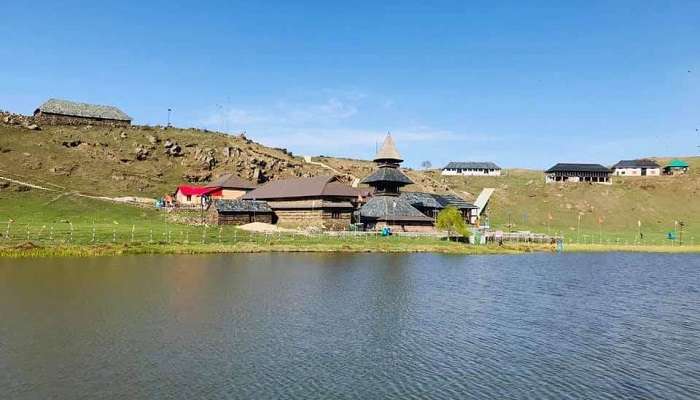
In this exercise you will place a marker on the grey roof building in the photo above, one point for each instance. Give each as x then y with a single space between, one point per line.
573 172
472 168
63 111
387 207
230 206
472 165
642 163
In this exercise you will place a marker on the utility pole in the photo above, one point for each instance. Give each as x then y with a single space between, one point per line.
169 111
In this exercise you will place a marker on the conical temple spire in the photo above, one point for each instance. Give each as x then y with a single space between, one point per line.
388 152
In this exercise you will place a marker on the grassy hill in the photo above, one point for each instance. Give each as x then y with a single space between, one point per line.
133 162
523 200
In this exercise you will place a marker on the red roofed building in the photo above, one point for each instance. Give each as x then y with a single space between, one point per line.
191 196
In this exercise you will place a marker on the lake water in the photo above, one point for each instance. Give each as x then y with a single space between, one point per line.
297 326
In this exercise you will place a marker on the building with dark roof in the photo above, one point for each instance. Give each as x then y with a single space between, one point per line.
232 186
642 167
387 208
430 204
572 172
321 201
64 112
472 168
239 212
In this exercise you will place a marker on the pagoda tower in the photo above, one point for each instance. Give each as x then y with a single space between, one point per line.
386 208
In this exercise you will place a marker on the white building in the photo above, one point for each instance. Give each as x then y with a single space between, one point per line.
644 167
472 169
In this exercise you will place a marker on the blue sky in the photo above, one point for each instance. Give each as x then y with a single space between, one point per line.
524 84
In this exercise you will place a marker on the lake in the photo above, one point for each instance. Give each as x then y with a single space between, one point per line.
298 326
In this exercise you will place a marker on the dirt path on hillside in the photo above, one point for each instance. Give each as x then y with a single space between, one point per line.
125 199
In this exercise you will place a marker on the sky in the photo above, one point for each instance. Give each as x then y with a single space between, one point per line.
523 84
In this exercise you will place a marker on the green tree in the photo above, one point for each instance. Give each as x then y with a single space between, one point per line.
450 220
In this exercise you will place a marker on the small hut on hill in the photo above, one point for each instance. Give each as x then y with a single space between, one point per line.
676 167
64 112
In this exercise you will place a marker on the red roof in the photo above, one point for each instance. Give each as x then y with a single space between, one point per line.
188 190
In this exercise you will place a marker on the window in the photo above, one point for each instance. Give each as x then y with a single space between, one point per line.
189 198
335 214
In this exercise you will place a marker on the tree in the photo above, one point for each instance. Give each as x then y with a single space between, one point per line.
450 220
426 164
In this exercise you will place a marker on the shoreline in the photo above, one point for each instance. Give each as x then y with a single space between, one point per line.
30 250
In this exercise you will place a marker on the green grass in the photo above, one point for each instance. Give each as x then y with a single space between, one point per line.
523 201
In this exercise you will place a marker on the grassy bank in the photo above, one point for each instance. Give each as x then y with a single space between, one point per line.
640 248
384 245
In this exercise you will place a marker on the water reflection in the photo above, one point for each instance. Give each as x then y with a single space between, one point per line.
352 326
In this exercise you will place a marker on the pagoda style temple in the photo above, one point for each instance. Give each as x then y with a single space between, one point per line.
386 208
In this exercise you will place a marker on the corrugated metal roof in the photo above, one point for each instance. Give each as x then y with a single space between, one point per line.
189 190
471 165
242 206
74 109
677 164
642 163
573 167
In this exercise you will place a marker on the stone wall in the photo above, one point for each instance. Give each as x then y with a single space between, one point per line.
239 218
56 119
318 218
9 118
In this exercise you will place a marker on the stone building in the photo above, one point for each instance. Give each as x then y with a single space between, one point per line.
569 172
320 201
387 208
471 168
431 204
64 112
643 167
239 212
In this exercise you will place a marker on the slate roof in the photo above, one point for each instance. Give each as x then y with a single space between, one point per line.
230 206
74 109
642 163
231 181
572 167
388 151
391 208
420 199
454 201
471 165
318 186
387 174
437 201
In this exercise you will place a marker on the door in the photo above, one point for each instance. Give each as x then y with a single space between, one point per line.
644 172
